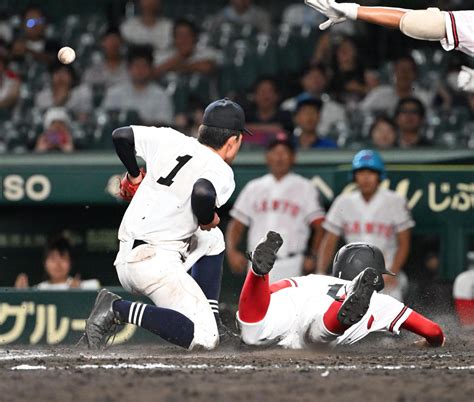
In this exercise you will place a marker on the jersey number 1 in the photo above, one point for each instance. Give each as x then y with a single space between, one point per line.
168 180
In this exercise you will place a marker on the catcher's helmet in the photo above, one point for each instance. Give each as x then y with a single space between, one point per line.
353 258
368 159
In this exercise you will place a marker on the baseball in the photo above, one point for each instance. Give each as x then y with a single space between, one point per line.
66 55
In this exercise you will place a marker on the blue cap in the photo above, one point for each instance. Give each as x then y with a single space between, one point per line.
368 159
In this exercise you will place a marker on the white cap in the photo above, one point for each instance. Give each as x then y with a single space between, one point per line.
56 114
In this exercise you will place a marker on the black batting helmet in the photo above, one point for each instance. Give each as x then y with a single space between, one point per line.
353 258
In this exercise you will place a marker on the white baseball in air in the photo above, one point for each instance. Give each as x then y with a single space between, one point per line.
66 55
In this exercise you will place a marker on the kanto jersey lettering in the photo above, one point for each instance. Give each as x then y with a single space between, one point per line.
376 222
289 206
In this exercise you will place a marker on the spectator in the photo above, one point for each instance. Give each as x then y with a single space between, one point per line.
242 12
140 94
57 132
6 31
315 82
149 28
348 83
297 15
306 118
370 214
66 91
190 121
281 201
384 98
186 57
32 43
463 293
410 117
264 117
383 133
112 68
9 83
57 266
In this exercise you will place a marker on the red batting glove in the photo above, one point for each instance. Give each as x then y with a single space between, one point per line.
127 188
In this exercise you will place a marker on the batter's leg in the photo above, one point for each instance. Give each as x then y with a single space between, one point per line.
255 295
169 324
182 314
254 298
207 272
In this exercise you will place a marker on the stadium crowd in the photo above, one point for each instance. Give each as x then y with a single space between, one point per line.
325 91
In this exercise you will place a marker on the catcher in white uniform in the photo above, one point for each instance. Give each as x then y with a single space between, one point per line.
454 29
324 309
186 179
370 214
283 201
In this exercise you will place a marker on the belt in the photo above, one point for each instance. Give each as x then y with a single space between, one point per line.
137 243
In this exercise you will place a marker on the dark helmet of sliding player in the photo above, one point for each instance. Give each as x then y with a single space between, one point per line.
353 258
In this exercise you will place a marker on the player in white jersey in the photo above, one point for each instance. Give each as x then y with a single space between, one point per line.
186 179
282 201
370 214
323 309
454 29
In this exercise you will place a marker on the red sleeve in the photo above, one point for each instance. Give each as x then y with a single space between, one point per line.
428 329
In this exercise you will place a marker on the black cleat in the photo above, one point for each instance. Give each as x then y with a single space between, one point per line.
264 256
102 322
227 337
358 295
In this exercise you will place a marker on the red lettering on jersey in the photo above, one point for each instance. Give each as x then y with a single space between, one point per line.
295 210
357 227
282 206
369 227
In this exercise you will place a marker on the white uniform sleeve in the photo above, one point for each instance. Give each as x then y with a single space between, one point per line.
148 141
334 222
313 209
459 31
402 219
223 182
242 207
385 314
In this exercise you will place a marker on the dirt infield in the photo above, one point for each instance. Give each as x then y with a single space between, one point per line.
379 370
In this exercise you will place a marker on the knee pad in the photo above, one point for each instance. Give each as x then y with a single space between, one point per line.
424 24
